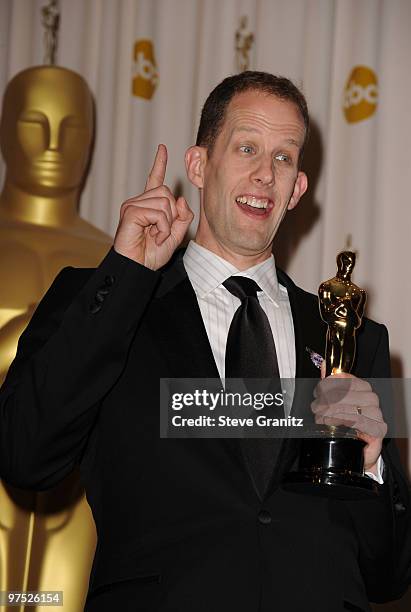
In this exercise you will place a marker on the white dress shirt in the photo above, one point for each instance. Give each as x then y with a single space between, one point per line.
207 271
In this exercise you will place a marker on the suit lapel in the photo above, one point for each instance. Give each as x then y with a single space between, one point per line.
309 329
177 327
309 333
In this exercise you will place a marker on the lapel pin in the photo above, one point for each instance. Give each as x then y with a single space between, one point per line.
315 357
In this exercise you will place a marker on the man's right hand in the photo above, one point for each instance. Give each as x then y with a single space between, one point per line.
153 224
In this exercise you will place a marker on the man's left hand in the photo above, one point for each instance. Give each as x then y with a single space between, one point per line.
344 399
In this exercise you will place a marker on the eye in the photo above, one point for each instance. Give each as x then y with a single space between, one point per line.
30 116
72 122
247 149
283 157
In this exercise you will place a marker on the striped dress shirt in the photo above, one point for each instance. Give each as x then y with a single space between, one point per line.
207 271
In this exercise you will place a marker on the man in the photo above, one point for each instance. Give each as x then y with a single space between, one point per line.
183 524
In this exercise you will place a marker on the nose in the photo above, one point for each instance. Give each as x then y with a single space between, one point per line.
54 136
263 173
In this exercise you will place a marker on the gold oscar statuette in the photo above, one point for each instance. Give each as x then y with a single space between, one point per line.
342 307
47 539
244 40
331 461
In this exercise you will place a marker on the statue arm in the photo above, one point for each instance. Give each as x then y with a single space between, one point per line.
361 306
327 303
67 360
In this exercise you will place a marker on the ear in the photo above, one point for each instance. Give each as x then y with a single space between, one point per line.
300 187
196 159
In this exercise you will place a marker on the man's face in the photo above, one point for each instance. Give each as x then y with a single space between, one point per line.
251 177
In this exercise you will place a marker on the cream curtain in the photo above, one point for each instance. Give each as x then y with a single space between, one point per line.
359 170
175 51
150 65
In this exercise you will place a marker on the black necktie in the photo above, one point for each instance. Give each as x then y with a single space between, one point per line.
250 353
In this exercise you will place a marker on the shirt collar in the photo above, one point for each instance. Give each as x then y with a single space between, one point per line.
207 271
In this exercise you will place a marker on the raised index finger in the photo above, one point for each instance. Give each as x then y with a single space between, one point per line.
158 171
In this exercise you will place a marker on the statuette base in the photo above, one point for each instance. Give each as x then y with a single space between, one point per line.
331 464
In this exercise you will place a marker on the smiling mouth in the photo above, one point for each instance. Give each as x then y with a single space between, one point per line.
255 206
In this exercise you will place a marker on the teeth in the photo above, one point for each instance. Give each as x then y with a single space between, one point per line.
252 201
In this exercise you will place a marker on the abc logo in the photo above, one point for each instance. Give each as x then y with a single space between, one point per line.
145 77
360 94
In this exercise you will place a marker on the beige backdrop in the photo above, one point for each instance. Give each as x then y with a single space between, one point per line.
150 64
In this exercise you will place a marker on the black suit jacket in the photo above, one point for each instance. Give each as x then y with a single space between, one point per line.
180 525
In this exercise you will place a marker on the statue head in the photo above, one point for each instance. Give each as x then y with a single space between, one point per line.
345 263
46 130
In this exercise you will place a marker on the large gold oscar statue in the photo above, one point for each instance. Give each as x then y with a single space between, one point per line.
47 540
